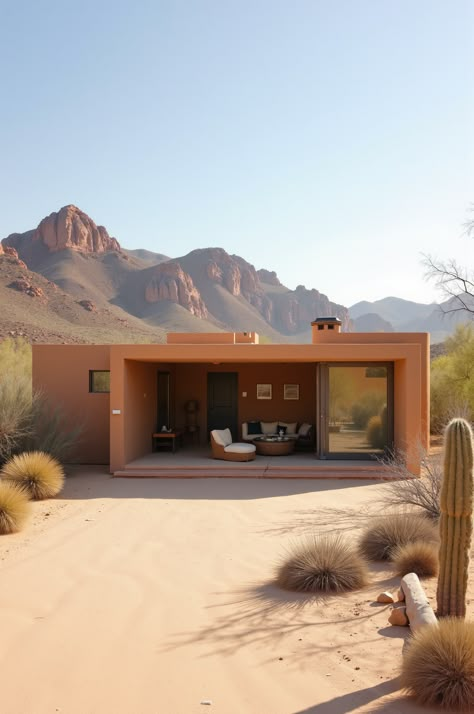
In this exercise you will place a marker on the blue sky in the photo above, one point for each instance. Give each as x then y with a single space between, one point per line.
329 141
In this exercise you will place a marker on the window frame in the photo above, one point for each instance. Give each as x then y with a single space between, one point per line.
92 373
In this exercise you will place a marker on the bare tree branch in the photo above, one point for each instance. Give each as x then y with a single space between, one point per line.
454 282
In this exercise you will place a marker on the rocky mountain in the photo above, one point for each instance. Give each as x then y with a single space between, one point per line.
205 290
139 294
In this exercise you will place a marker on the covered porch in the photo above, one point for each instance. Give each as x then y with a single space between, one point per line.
195 461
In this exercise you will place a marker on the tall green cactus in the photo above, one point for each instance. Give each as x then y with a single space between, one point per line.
456 519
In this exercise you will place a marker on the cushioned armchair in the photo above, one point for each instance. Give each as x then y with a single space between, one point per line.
224 448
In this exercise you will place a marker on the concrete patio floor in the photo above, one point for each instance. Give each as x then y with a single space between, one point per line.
197 462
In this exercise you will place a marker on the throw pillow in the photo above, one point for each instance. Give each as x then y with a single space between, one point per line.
304 430
269 427
281 428
290 426
254 427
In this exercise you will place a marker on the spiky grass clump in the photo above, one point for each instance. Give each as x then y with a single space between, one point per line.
14 508
438 667
36 473
420 557
323 564
386 533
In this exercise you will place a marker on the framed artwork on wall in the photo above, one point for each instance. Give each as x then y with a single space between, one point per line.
264 391
291 391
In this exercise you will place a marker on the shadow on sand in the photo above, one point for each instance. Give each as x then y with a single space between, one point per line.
88 482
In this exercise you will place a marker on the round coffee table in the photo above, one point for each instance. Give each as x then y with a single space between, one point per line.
274 446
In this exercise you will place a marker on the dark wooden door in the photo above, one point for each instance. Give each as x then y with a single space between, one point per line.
222 402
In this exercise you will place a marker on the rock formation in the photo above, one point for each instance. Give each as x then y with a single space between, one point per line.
68 228
87 305
24 286
268 276
170 282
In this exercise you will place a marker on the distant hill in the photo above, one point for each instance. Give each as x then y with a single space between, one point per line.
408 316
371 322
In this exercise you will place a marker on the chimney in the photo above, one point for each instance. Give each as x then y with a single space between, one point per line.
324 327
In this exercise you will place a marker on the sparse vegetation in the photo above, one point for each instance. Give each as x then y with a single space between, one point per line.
452 379
438 667
367 405
27 420
418 557
14 508
323 564
407 491
37 474
386 533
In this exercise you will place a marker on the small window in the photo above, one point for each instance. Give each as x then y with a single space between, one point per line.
99 380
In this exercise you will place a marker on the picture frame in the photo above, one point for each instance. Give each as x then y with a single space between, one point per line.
291 391
264 391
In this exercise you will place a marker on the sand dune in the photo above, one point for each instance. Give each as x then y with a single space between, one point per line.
154 597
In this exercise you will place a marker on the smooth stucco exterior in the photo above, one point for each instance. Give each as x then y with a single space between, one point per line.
117 426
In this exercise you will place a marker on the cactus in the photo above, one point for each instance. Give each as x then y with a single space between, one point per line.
456 519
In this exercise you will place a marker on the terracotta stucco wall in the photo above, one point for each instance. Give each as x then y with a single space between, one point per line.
61 372
191 383
140 404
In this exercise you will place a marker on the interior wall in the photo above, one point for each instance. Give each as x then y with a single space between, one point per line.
191 383
139 407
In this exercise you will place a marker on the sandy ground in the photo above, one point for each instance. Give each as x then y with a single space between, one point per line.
155 597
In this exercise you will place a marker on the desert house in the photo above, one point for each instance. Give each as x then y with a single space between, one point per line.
362 393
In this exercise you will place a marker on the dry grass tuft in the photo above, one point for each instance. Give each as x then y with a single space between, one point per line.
418 557
386 533
323 564
14 508
36 473
438 668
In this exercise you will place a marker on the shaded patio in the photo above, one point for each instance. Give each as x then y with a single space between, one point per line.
192 461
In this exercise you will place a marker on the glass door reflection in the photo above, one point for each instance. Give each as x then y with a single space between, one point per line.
359 410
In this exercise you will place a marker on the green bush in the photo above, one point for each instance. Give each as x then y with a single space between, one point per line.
452 380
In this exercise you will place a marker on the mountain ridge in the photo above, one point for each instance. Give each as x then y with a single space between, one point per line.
207 289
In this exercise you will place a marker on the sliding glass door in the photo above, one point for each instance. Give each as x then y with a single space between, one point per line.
356 410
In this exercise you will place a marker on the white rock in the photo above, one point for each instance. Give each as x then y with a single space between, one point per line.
385 597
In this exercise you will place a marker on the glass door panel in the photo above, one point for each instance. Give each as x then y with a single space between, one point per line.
358 410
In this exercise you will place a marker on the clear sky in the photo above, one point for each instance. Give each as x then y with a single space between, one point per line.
330 141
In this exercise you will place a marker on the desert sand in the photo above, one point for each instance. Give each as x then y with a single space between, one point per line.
128 596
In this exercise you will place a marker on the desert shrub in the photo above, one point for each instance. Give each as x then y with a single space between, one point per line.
419 557
38 474
15 413
377 430
367 406
14 508
385 533
407 491
15 357
452 379
323 564
438 666
27 421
